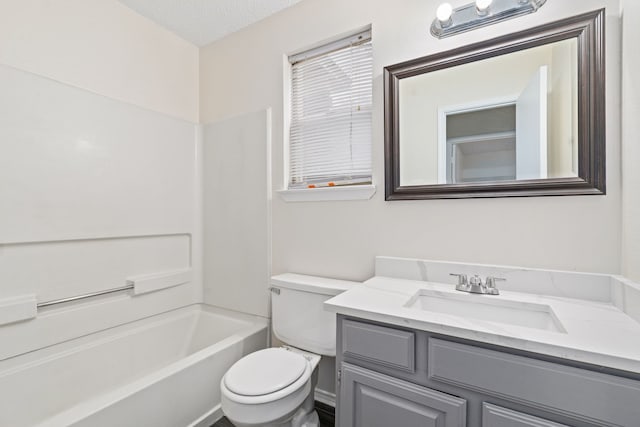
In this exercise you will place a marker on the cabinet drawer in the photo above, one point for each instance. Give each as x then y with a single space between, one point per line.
495 416
587 396
370 399
391 347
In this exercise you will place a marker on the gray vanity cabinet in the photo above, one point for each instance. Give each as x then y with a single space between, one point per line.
378 400
495 416
394 376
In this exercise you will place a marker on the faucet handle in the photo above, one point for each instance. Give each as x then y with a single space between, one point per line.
462 278
491 281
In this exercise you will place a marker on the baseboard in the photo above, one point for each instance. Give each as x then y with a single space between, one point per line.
209 418
325 397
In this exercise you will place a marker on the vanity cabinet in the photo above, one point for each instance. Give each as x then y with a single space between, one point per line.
496 416
390 375
381 401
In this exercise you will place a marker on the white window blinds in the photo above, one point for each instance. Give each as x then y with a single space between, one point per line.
330 140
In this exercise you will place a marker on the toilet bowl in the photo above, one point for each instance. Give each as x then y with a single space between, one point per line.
275 387
271 387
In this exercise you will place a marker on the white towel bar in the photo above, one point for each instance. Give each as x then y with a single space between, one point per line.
78 297
25 307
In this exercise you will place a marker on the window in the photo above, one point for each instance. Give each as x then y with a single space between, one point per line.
331 108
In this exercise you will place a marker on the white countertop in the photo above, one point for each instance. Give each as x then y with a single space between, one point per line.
598 333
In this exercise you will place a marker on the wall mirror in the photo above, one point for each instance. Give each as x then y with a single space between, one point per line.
520 115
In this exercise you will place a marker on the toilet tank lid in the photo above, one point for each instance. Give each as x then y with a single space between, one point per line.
314 284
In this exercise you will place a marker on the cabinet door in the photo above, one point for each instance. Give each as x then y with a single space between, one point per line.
495 416
370 399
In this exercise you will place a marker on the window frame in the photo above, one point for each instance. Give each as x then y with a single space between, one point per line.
349 191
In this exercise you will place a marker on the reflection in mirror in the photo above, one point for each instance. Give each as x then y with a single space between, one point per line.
519 115
509 117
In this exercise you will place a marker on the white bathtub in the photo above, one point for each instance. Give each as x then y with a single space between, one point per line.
163 371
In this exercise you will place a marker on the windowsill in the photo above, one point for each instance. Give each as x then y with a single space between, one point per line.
325 194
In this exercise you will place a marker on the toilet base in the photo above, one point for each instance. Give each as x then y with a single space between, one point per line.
305 416
309 419
300 419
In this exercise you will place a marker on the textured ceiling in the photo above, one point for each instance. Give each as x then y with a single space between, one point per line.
204 21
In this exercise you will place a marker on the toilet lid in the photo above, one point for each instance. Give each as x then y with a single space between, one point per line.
264 372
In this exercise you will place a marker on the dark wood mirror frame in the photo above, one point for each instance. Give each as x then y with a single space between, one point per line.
588 29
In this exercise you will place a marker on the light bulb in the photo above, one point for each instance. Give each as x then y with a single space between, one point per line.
482 6
444 12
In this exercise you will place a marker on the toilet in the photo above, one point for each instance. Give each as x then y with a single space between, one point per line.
275 386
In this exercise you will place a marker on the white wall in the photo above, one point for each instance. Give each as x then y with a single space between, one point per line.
104 47
237 204
340 239
98 170
631 138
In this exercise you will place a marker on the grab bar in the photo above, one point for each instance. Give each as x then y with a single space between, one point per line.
25 307
79 297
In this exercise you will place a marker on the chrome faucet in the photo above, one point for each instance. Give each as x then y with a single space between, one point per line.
475 285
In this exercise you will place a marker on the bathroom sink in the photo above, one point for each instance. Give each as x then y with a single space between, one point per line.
487 308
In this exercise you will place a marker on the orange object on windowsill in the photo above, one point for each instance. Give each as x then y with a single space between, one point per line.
328 184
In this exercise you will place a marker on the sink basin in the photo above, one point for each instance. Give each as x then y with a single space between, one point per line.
487 308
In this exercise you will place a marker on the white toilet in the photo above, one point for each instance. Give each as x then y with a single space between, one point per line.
275 387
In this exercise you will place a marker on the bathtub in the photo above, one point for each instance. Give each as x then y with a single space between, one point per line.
163 371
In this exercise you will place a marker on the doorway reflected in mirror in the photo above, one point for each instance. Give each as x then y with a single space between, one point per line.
511 117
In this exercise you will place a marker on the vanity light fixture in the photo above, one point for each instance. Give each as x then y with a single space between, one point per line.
482 7
451 21
444 12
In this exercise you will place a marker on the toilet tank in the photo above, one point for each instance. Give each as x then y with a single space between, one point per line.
298 315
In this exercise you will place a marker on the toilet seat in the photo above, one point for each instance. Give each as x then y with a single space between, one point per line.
285 391
265 372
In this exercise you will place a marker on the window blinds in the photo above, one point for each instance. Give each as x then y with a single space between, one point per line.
330 139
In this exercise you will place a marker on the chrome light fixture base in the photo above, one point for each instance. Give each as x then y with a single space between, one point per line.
467 18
